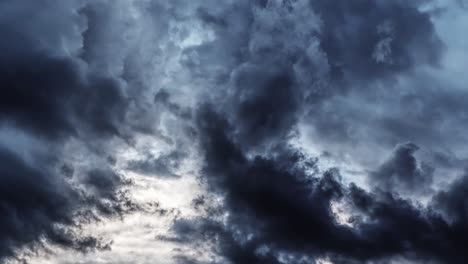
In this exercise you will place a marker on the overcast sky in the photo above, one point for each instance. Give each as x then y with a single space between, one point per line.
233 131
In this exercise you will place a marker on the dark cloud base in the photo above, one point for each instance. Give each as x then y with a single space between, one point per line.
278 202
52 98
278 205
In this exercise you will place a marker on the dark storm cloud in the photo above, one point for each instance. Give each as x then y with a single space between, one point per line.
362 40
50 95
395 227
105 195
420 109
369 39
66 74
46 96
222 240
35 202
402 172
370 46
273 198
45 90
101 192
55 97
104 182
453 202
269 106
279 202
260 53
277 197
268 67
305 53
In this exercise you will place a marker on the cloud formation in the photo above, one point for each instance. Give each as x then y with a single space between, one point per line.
253 98
278 204
49 98
402 173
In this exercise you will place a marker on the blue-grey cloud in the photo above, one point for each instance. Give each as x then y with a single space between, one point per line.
235 81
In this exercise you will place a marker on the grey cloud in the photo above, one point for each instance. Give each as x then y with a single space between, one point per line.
164 165
402 172
356 72
35 202
278 200
263 73
374 39
452 201
53 97
35 34
104 182
162 98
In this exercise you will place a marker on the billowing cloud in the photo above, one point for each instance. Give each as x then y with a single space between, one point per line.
278 201
49 97
365 40
33 203
278 204
52 97
292 131
402 172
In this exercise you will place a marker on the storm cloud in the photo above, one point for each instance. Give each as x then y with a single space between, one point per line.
402 173
50 97
272 131
279 204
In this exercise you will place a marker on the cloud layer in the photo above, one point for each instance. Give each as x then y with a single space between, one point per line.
283 111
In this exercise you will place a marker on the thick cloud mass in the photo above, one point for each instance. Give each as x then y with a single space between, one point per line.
317 130
453 202
49 97
38 203
402 173
279 205
278 202
373 39
30 202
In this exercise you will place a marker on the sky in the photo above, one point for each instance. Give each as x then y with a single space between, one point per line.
233 131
